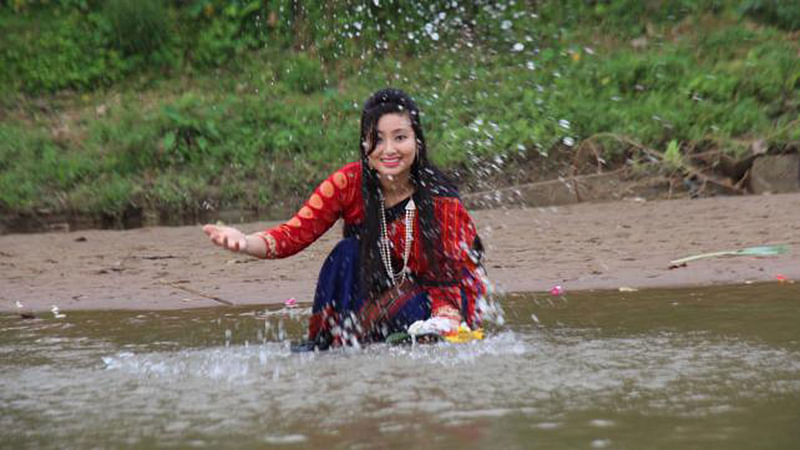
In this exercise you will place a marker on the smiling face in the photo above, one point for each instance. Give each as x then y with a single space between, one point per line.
395 146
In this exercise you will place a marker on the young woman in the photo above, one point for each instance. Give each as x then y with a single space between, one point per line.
410 250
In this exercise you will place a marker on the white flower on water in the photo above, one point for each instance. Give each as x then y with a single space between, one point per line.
56 314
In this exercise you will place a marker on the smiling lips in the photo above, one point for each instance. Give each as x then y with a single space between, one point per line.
391 162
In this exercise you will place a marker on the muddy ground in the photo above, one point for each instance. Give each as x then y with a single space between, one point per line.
587 246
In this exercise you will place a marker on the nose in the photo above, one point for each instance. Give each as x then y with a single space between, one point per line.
388 147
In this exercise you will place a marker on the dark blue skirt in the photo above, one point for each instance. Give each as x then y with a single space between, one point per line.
340 316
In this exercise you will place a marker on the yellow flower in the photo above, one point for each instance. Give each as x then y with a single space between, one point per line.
464 334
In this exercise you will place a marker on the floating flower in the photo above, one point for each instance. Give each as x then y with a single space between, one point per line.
290 303
556 290
56 312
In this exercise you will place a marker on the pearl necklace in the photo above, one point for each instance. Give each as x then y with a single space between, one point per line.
385 244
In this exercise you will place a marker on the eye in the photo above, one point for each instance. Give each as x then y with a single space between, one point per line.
378 140
401 138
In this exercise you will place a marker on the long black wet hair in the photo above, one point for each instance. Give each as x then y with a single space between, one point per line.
426 178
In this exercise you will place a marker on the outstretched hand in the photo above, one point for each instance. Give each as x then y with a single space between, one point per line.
226 237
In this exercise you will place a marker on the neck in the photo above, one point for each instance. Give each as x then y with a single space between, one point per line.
395 189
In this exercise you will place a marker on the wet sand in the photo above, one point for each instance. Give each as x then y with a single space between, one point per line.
588 246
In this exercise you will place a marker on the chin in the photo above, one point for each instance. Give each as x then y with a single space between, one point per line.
394 171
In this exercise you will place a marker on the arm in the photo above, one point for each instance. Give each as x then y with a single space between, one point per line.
335 196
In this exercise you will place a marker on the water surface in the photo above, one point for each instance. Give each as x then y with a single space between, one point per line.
697 368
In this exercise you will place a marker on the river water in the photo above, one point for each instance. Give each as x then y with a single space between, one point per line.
698 368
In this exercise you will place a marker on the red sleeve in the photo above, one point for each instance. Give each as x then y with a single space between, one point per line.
337 196
461 284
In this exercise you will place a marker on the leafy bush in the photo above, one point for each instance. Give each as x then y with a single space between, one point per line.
58 53
216 44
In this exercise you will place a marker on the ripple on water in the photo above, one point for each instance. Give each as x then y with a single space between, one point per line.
497 376
546 379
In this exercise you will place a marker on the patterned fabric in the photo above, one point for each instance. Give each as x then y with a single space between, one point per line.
453 293
339 316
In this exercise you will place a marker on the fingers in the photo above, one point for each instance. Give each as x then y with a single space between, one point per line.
215 234
231 243
227 237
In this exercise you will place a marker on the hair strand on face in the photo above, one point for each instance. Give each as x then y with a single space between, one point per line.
425 177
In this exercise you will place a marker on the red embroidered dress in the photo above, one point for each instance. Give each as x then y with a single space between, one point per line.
454 294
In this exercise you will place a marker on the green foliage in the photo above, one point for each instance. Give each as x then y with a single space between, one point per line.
672 156
626 18
269 97
216 44
304 74
110 194
138 27
58 53
177 192
189 130
781 13
35 172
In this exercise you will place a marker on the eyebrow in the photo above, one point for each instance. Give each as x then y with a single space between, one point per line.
396 130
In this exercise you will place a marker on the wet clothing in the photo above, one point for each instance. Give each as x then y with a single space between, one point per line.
452 293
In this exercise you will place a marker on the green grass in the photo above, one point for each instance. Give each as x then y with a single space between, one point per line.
253 123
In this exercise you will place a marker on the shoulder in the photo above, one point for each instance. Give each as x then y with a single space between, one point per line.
352 167
449 203
445 191
347 175
439 184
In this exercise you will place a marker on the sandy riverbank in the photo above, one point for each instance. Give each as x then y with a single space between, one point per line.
581 247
